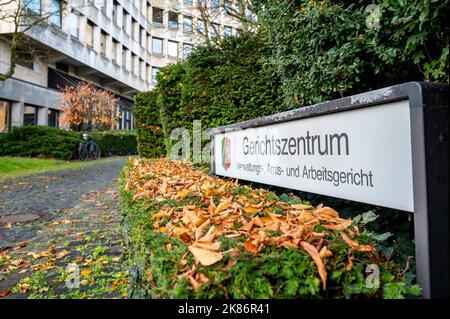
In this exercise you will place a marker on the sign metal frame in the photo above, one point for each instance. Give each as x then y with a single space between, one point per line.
428 104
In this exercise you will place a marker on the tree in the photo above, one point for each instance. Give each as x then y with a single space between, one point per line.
87 107
208 12
19 16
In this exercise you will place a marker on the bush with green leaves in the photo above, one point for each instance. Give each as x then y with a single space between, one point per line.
218 84
324 50
113 143
40 141
148 128
274 273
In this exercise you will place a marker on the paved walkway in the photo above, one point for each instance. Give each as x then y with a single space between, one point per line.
74 248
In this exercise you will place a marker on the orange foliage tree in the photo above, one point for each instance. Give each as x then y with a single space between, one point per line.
87 107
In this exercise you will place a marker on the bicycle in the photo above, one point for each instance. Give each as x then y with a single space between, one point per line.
89 149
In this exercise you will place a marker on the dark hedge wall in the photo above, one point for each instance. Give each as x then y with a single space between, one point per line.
148 129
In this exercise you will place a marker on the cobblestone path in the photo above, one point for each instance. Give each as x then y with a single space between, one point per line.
73 246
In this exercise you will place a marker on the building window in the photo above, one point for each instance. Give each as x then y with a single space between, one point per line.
227 31
142 68
214 30
187 49
227 5
134 63
5 110
187 24
115 46
53 118
157 16
103 36
55 13
214 4
103 6
148 73
30 115
74 24
157 46
142 36
127 120
173 20
124 20
201 26
188 2
138 4
172 48
124 57
149 11
90 33
35 6
149 43
115 10
25 59
133 29
155 71
61 66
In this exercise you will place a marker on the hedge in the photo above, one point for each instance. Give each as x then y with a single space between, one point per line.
148 128
323 50
162 200
113 143
40 141
51 142
302 52
217 84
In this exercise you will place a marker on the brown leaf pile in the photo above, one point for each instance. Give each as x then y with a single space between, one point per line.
220 212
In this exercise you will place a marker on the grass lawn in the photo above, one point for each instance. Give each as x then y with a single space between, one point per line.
20 166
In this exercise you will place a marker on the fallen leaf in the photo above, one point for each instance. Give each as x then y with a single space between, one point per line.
326 213
345 224
251 209
204 256
355 246
249 246
301 206
4 293
210 235
62 254
86 272
150 275
312 251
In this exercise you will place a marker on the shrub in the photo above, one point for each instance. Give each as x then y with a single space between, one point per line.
40 141
162 227
149 132
87 107
218 84
115 142
324 50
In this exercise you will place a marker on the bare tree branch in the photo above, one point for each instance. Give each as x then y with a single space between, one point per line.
19 14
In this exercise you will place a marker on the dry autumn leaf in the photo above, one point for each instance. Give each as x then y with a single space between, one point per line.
250 247
204 256
86 272
326 213
343 225
311 250
251 208
301 206
219 212
355 246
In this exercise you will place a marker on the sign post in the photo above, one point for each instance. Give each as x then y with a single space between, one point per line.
387 147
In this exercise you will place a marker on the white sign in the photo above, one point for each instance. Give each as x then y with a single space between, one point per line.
362 155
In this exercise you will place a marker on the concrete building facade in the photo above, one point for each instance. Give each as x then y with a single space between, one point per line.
118 45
